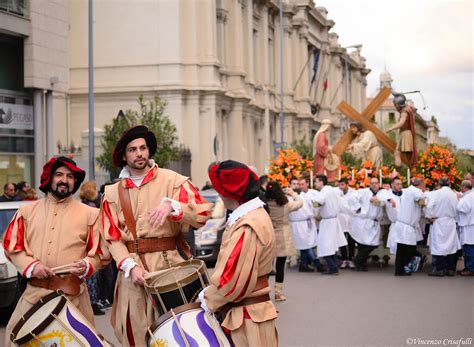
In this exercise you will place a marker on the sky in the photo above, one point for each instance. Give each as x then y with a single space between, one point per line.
426 45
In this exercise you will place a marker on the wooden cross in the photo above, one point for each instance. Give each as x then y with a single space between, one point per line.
364 119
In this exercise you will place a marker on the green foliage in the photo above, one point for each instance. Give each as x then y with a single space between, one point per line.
304 148
349 160
465 162
151 115
434 120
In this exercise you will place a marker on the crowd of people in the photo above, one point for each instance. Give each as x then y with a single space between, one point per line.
343 226
111 240
18 192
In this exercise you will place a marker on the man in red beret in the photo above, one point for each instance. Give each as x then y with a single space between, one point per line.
51 232
240 280
143 217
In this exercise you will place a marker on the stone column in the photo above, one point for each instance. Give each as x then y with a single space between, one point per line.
39 135
235 130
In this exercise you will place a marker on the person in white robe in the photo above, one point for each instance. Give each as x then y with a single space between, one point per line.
392 205
304 230
443 238
466 224
365 145
367 204
406 230
345 221
330 235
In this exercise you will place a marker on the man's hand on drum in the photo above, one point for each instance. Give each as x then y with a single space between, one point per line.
159 214
42 271
79 268
137 275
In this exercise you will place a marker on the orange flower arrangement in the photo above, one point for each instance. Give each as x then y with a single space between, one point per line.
438 161
360 177
287 165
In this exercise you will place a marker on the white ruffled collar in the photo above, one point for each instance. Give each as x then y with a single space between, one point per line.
244 209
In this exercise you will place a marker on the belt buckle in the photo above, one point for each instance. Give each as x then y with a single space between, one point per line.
135 246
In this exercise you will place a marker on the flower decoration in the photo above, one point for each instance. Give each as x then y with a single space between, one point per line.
288 165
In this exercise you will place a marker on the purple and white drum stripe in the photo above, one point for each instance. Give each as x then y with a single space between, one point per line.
84 330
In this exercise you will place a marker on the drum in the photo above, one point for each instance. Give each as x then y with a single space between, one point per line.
176 286
187 325
55 321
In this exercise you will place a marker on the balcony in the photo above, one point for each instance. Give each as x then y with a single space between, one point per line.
15 7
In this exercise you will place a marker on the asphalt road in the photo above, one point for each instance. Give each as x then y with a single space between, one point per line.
368 309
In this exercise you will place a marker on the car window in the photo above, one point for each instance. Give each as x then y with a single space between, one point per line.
5 218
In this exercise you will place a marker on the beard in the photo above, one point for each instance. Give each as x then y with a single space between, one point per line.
137 165
61 194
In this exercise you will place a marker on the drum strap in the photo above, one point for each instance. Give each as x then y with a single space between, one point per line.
124 196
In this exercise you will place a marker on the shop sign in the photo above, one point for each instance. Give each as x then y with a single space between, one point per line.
14 116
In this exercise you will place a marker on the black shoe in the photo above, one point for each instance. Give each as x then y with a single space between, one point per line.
439 273
331 272
97 311
403 274
450 273
305 269
321 268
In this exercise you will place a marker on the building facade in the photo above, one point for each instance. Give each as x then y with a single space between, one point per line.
215 62
33 74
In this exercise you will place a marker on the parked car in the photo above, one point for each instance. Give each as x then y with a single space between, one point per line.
10 286
208 238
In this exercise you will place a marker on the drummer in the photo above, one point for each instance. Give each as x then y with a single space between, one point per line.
52 232
163 203
240 280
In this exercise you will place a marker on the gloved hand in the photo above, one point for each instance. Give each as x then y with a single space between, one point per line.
203 300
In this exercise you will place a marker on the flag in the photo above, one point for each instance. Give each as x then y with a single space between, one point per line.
315 66
325 84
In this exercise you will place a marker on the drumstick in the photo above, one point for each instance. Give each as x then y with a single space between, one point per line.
66 266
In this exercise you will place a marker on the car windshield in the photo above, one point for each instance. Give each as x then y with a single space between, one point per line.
5 218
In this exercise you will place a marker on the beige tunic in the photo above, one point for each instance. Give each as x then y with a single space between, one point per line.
132 311
365 147
247 252
285 246
54 233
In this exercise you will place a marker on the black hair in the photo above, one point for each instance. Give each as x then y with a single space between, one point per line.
322 178
344 180
274 192
263 179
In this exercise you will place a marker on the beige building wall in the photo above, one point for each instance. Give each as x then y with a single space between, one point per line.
217 64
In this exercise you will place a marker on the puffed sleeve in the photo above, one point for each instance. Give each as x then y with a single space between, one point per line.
236 273
111 229
15 244
195 210
96 253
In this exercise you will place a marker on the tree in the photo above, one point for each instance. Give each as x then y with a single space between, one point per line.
304 149
151 115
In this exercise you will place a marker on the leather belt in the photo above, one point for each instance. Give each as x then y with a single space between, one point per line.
250 301
140 246
70 285
328 217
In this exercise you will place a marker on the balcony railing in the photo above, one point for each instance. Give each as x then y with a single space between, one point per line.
16 7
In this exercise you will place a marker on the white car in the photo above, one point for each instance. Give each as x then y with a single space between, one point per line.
9 285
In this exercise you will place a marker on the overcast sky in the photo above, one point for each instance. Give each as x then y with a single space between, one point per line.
426 45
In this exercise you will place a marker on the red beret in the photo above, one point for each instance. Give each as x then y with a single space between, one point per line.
52 165
234 180
137 132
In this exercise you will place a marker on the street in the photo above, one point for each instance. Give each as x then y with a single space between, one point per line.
371 308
